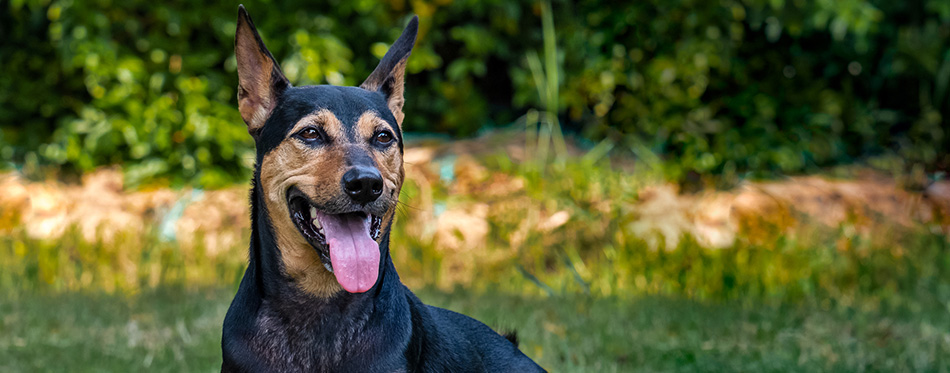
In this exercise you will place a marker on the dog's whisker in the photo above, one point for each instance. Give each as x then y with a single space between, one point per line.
406 205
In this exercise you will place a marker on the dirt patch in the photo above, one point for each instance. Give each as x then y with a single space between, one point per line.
759 211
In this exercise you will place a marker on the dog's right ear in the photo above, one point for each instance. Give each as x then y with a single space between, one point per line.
260 81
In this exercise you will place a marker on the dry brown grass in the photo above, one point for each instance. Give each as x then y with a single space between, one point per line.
458 203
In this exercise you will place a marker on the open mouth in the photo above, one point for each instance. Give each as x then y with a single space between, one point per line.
346 243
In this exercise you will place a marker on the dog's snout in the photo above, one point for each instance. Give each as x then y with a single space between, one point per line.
363 184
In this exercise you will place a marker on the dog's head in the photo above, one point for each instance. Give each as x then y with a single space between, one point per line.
329 162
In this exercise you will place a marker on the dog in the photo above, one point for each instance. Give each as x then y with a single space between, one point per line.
320 292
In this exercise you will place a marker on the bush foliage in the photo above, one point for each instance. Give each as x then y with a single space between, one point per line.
728 87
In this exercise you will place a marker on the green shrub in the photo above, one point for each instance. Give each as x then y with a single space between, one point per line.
724 88
761 86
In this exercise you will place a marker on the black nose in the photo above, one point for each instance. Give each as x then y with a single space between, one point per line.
363 184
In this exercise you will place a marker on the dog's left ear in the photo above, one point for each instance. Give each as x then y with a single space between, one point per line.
390 76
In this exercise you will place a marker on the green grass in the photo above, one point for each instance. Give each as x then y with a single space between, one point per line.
590 295
174 330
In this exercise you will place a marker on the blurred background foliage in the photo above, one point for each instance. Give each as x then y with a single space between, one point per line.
523 227
727 89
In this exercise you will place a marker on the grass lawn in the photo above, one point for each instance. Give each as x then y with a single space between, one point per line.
868 291
177 330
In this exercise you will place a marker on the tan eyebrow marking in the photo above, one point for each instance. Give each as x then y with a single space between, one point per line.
368 123
323 118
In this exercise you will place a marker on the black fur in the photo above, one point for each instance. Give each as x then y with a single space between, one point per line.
512 337
272 326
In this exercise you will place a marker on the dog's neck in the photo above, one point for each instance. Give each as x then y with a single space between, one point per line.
323 333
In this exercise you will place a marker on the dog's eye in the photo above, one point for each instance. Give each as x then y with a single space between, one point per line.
309 134
384 137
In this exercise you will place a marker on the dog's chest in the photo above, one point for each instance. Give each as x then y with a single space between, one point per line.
309 343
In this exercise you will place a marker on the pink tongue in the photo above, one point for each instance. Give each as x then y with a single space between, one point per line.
353 253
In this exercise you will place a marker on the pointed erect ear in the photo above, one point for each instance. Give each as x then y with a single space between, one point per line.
390 76
260 81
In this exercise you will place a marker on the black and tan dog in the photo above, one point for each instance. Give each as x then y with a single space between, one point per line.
320 292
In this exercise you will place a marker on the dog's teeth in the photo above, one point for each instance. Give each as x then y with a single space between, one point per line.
313 212
316 224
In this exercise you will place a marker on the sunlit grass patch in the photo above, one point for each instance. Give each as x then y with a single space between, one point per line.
129 262
472 216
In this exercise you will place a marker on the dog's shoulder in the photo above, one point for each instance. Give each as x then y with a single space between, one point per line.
238 328
452 339
498 353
